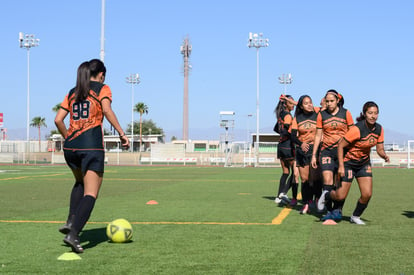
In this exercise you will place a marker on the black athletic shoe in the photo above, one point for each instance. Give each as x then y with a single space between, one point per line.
66 228
73 241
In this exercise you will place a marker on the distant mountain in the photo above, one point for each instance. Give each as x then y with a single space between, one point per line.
394 137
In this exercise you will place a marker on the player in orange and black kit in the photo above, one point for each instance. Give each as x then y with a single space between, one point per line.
358 142
285 149
88 103
303 135
332 124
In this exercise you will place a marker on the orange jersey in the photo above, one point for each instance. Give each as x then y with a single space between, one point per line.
361 139
305 125
86 117
334 127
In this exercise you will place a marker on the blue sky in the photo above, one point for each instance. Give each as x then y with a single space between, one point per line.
363 49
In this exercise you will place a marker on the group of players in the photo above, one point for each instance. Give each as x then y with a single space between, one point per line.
321 142
327 150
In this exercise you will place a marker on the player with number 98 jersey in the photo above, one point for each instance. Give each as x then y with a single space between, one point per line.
85 131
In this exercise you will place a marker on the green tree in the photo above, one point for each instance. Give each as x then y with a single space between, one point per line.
140 108
56 108
38 122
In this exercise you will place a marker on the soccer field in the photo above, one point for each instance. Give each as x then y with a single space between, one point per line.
207 221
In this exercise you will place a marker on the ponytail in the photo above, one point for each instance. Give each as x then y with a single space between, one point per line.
87 70
82 82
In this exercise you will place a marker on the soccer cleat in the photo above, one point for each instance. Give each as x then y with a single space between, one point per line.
304 210
328 216
284 198
293 202
74 243
322 200
336 215
277 200
356 220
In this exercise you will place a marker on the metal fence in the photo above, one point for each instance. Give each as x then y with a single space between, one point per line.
236 154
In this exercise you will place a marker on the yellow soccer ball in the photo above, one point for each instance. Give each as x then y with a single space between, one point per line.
119 231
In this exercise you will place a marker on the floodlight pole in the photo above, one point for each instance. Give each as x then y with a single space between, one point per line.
132 79
257 41
102 52
186 51
28 41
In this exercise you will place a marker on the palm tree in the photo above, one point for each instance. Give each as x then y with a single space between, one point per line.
56 108
38 122
140 108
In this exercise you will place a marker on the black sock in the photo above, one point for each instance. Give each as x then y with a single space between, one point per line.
75 197
295 186
317 188
83 213
307 192
328 199
359 209
338 205
289 183
304 191
282 183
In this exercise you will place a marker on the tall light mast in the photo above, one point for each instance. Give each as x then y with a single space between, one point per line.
185 51
102 52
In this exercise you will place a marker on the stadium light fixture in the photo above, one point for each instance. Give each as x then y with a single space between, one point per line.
285 79
256 40
28 41
132 79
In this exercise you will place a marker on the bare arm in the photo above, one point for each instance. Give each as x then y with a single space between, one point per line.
381 152
316 143
111 117
341 169
59 122
285 98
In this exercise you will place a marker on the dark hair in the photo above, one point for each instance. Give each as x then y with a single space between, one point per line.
86 70
299 106
281 106
341 101
365 108
82 82
96 66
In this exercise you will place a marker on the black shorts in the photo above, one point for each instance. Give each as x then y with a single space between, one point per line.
328 159
85 160
303 159
285 151
356 170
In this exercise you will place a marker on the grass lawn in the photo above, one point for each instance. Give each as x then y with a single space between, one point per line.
207 221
